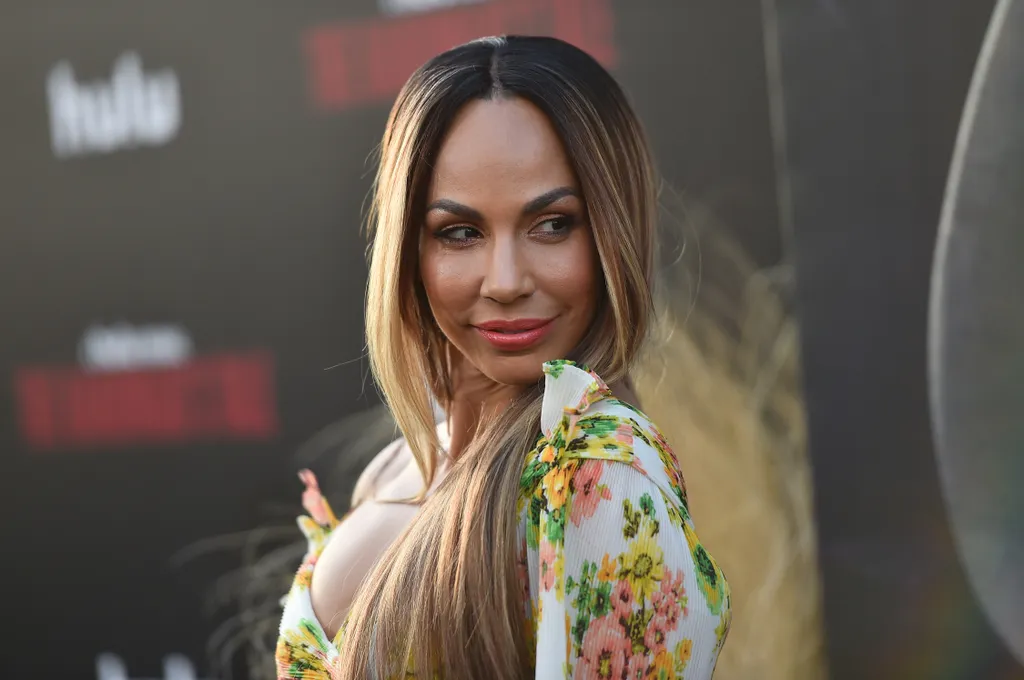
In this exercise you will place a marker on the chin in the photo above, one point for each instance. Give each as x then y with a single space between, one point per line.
521 370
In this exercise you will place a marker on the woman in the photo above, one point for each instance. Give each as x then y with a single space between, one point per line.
548 533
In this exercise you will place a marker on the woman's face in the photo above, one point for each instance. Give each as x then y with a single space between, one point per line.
507 256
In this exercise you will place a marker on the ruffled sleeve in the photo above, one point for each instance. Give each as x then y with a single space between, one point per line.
304 652
623 586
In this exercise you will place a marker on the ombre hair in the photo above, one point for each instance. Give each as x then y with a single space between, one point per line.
446 598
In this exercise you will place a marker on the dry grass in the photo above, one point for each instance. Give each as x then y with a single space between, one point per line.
723 383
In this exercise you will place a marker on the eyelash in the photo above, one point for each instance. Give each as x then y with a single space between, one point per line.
444 235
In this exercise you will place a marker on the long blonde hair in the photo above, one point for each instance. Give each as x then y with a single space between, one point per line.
446 595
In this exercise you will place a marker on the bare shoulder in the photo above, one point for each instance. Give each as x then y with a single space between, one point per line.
382 469
365 534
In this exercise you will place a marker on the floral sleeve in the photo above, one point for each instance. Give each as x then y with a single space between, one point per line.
304 652
626 590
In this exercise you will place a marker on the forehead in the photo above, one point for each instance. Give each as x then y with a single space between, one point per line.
498 148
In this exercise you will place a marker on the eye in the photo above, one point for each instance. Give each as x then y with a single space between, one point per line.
554 226
458 234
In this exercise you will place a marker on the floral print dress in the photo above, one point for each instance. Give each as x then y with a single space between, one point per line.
618 584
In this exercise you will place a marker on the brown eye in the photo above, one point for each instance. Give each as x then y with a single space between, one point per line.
554 226
458 234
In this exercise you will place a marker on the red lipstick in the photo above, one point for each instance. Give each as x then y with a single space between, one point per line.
514 335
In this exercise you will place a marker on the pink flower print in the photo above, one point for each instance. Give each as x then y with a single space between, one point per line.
314 502
605 648
547 564
662 443
588 491
673 599
637 666
622 599
624 434
638 466
659 602
656 633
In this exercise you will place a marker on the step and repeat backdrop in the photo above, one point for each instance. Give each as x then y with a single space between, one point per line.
182 269
182 274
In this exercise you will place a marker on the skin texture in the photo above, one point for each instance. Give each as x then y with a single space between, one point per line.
506 236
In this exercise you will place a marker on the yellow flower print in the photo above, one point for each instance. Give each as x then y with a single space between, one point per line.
304 577
548 454
723 629
683 651
556 485
560 576
607 572
568 637
664 665
691 537
643 565
300 653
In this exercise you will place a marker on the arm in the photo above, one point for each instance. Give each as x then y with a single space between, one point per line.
619 583
385 465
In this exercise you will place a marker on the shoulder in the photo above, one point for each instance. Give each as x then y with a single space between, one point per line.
383 467
583 420
393 473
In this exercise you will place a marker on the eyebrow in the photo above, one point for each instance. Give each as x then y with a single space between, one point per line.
533 206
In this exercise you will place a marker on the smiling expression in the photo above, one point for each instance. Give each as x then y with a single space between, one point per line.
507 256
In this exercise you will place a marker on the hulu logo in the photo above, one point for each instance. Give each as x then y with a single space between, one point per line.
131 109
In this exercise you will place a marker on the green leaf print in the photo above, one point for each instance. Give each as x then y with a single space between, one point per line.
647 504
555 368
533 526
631 526
601 601
534 472
710 580
591 601
639 433
599 425
675 517
315 631
582 601
555 529
558 437
636 626
579 630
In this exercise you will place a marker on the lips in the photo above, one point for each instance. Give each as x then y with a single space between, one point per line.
514 335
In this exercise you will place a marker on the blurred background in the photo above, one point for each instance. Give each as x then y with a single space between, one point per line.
181 286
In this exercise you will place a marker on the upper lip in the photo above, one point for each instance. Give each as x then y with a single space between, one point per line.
512 325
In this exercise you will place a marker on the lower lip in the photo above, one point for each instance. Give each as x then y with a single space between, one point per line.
514 342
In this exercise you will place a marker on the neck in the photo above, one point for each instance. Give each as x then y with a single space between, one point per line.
471 410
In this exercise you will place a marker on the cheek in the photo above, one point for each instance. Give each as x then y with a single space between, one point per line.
449 281
573 278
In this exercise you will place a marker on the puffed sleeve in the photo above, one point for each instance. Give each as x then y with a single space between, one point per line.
625 588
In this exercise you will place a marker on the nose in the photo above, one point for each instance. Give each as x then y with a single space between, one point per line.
508 276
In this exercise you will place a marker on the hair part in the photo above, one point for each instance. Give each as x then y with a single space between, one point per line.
446 596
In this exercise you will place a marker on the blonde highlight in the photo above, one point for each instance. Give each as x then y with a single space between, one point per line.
446 596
